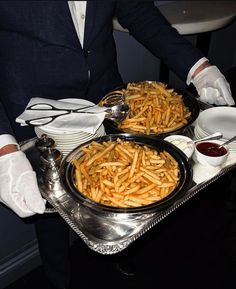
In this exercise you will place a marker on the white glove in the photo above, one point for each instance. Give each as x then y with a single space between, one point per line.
18 185
212 87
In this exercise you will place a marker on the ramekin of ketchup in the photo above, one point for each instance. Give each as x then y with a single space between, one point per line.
211 149
210 153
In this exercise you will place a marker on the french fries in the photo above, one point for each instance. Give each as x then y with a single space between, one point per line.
125 174
154 109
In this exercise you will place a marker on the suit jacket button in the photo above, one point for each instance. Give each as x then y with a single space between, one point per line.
86 53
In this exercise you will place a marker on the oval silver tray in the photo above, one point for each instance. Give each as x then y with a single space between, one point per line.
74 214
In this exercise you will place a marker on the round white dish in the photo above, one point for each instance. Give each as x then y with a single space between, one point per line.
184 143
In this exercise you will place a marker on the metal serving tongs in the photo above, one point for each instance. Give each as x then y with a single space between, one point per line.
114 106
117 109
115 97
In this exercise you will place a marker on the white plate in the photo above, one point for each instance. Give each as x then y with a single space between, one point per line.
72 136
201 133
221 119
59 135
68 142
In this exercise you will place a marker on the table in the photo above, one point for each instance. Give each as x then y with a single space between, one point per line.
194 17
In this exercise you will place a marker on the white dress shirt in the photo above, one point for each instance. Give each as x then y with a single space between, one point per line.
78 13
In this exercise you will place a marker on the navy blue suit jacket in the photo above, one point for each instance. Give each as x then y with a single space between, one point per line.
40 53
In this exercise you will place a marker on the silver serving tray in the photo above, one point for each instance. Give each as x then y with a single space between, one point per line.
75 214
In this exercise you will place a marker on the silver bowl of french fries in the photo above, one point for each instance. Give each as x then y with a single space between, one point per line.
120 181
154 109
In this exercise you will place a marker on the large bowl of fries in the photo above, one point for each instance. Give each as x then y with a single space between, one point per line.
154 109
119 181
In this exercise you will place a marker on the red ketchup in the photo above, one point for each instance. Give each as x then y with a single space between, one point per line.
211 149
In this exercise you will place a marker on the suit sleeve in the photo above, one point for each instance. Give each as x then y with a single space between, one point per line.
5 127
146 23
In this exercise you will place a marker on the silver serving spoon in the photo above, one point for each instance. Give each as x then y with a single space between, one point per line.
216 135
117 113
228 141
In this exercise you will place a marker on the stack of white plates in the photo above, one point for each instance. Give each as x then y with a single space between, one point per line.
217 119
66 140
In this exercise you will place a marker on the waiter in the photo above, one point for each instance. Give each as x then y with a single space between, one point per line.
60 49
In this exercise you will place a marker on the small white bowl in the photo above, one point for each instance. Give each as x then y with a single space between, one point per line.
210 160
184 143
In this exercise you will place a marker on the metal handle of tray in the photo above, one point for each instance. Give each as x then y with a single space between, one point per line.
50 210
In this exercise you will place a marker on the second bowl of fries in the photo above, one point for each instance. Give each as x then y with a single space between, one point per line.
121 178
154 109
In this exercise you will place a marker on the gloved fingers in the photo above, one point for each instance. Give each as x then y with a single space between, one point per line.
224 90
209 95
13 199
220 101
27 185
211 85
18 185
19 206
202 95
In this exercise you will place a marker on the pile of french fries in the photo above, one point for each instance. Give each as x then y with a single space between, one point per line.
154 109
125 174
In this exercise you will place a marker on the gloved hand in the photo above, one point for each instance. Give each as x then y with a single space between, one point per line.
212 87
18 185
